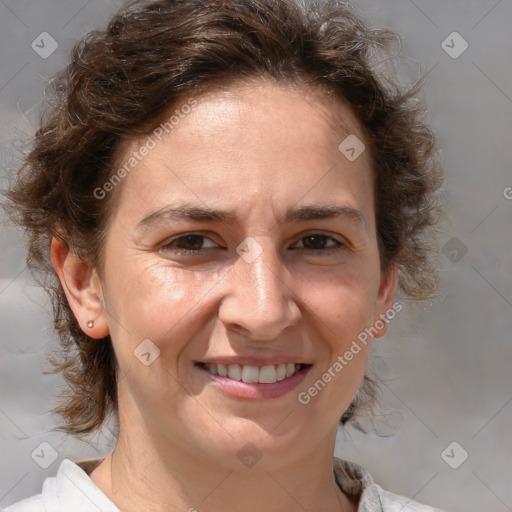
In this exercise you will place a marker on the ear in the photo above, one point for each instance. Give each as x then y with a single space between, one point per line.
385 308
82 287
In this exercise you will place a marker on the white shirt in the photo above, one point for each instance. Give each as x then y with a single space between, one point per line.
73 491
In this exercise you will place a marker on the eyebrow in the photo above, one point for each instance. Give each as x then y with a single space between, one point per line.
293 214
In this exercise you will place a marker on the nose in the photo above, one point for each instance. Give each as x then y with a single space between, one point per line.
260 302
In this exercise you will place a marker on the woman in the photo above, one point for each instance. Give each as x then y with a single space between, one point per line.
227 197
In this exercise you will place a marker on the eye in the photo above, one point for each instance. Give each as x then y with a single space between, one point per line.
318 242
191 243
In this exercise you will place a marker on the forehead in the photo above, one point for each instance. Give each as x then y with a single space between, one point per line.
252 141
259 107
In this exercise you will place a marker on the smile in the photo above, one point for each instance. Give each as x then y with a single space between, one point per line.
268 374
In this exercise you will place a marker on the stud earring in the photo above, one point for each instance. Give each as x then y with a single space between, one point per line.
90 324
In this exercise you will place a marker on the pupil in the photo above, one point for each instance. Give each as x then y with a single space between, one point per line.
192 242
314 242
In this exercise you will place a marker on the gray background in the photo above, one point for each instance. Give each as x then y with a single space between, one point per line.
448 376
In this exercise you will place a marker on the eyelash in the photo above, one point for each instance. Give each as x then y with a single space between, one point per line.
197 252
327 238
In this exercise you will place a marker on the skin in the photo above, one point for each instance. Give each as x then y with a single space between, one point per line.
255 149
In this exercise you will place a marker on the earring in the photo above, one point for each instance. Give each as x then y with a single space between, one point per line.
90 324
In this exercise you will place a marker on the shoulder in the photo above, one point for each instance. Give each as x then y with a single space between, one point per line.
70 487
355 480
395 503
38 502
33 504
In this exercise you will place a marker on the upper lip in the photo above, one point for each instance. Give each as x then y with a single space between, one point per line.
254 360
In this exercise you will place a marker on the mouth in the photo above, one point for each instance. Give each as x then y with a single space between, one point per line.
255 382
268 374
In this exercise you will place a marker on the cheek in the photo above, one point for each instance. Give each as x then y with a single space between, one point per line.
342 323
345 301
155 303
163 306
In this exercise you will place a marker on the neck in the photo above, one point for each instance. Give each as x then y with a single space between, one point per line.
140 475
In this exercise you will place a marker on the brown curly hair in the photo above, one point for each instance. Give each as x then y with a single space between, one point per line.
119 84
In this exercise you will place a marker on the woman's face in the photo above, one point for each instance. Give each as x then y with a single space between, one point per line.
245 236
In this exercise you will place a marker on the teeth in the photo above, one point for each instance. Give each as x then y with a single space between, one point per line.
235 372
281 372
247 373
250 374
268 374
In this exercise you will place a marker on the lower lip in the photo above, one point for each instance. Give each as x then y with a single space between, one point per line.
256 390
